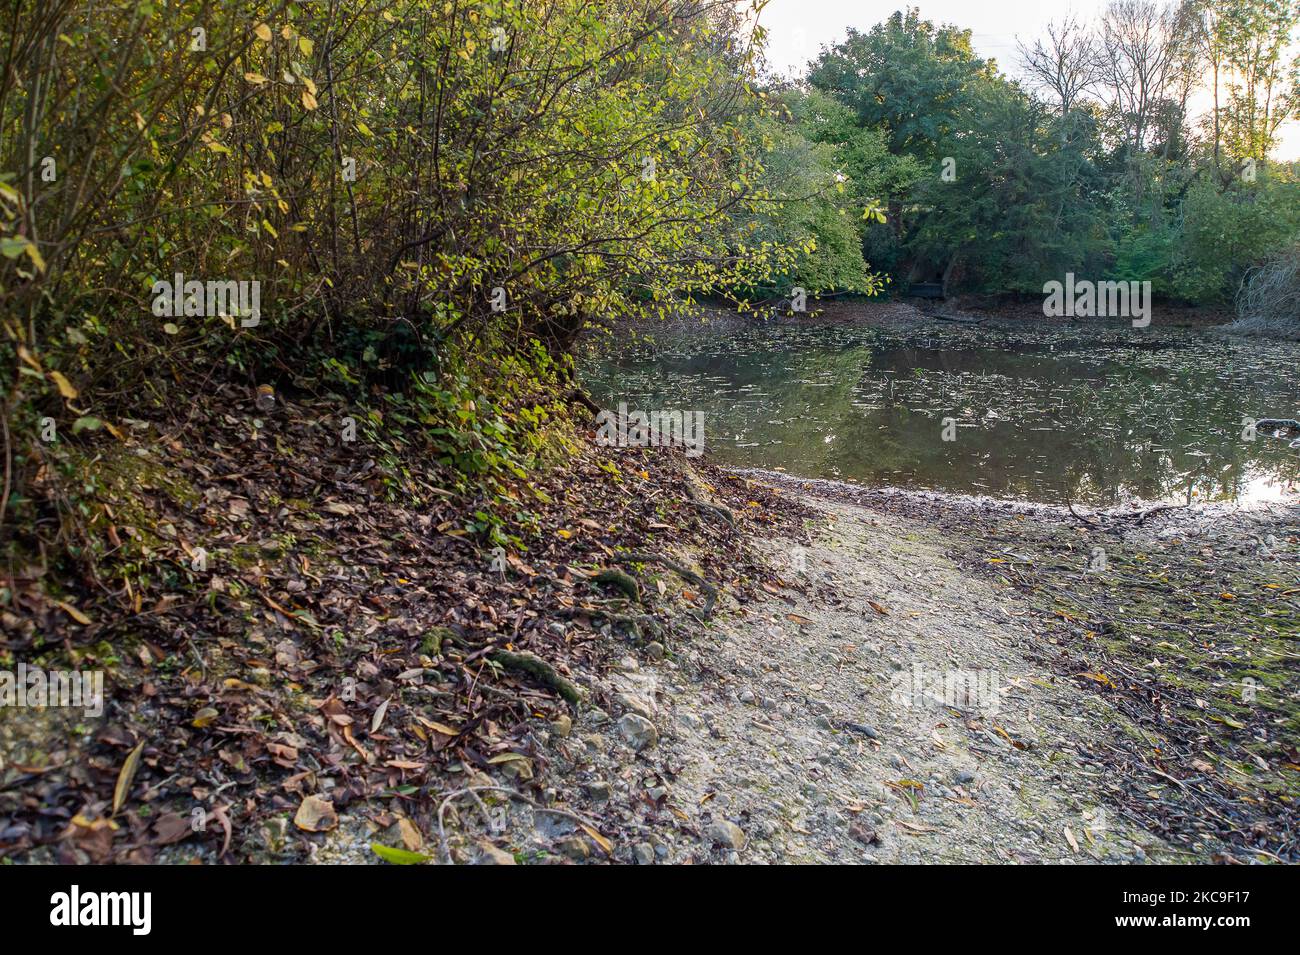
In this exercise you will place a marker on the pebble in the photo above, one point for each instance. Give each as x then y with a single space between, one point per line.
643 853
562 725
491 855
723 832
865 729
639 732
575 847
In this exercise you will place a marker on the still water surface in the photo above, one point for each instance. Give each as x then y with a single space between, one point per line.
1045 414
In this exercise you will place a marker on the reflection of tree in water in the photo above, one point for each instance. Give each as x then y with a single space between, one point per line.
1079 422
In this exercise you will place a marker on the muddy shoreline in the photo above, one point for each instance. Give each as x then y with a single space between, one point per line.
1181 624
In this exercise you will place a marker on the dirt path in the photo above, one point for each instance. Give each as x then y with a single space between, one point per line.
810 727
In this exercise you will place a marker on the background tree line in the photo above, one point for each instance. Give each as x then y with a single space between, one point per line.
1097 164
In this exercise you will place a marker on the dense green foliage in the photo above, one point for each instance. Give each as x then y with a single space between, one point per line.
989 186
433 199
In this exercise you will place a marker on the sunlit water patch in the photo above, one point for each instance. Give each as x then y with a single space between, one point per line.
1046 414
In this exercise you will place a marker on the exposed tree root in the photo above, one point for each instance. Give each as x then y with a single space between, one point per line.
535 666
710 591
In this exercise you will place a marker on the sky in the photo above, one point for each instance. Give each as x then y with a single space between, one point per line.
797 29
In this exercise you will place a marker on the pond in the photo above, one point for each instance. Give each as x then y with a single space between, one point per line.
1044 413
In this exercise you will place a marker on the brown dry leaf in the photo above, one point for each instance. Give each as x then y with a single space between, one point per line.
1069 837
796 618
879 608
915 828
92 836
377 720
125 777
171 827
1007 736
412 838
442 728
316 814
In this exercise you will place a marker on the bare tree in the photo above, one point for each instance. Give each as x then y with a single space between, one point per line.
1067 65
1144 64
1207 36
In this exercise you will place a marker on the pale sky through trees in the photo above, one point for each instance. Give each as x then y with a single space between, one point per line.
797 29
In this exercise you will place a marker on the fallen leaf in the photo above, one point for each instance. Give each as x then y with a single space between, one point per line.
72 612
600 840
125 777
65 386
316 814
398 856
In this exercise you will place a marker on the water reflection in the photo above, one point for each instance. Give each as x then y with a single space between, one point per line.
1040 414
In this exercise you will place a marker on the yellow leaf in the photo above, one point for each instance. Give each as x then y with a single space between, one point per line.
308 101
1101 678
34 254
72 612
29 358
305 45
125 776
597 838
262 32
204 717
257 79
442 728
65 386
